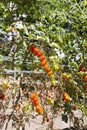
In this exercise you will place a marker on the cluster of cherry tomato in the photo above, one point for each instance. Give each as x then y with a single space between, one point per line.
35 101
66 97
43 61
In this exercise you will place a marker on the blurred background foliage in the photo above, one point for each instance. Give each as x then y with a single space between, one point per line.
54 26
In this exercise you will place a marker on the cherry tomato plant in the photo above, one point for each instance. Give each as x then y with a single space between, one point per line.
43 61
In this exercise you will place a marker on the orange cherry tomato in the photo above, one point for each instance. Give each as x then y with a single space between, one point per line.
35 52
39 54
35 101
85 78
39 109
42 57
66 97
47 68
43 63
33 95
50 73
